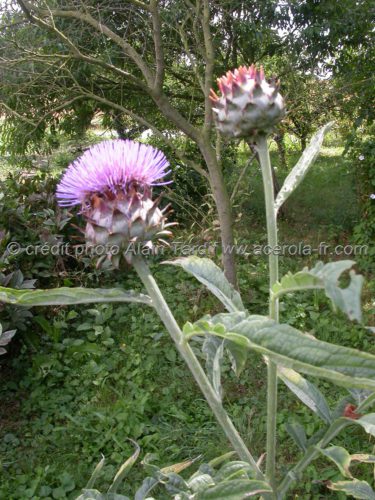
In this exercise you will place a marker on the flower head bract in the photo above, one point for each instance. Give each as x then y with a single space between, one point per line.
112 181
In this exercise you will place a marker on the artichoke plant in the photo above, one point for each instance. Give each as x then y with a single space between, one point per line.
112 181
249 106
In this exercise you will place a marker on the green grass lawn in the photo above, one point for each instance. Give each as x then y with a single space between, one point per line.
326 200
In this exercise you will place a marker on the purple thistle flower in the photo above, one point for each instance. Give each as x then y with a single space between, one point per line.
113 182
111 167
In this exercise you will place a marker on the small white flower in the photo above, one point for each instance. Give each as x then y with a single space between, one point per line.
361 157
372 196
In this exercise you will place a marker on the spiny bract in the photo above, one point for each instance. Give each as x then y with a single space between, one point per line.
249 106
112 182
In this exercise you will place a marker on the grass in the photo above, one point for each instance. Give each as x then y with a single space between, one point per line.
325 201
63 405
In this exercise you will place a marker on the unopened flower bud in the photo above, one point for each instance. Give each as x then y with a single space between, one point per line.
249 106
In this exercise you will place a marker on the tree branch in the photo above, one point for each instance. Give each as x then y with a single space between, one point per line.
241 176
210 62
15 113
158 44
77 54
101 28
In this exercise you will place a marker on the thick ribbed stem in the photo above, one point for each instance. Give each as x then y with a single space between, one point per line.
191 360
265 163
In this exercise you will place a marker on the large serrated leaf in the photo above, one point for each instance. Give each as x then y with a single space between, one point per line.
290 348
69 296
235 490
355 488
300 169
208 273
307 392
326 276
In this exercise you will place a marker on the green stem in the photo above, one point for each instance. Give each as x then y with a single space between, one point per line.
311 453
265 163
191 360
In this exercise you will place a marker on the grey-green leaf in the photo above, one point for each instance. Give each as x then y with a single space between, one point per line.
146 487
69 296
235 490
213 348
355 488
368 423
95 474
363 457
234 469
289 347
208 273
6 337
307 392
297 432
326 276
124 469
340 457
215 462
91 495
200 482
300 169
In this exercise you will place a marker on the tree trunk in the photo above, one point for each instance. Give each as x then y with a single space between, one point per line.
275 181
224 210
279 139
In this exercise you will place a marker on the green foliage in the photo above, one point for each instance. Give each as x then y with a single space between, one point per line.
219 479
326 276
300 351
80 385
356 489
212 277
94 377
338 364
5 338
295 177
362 154
67 296
29 217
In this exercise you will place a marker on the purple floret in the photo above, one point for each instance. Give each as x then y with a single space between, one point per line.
111 166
